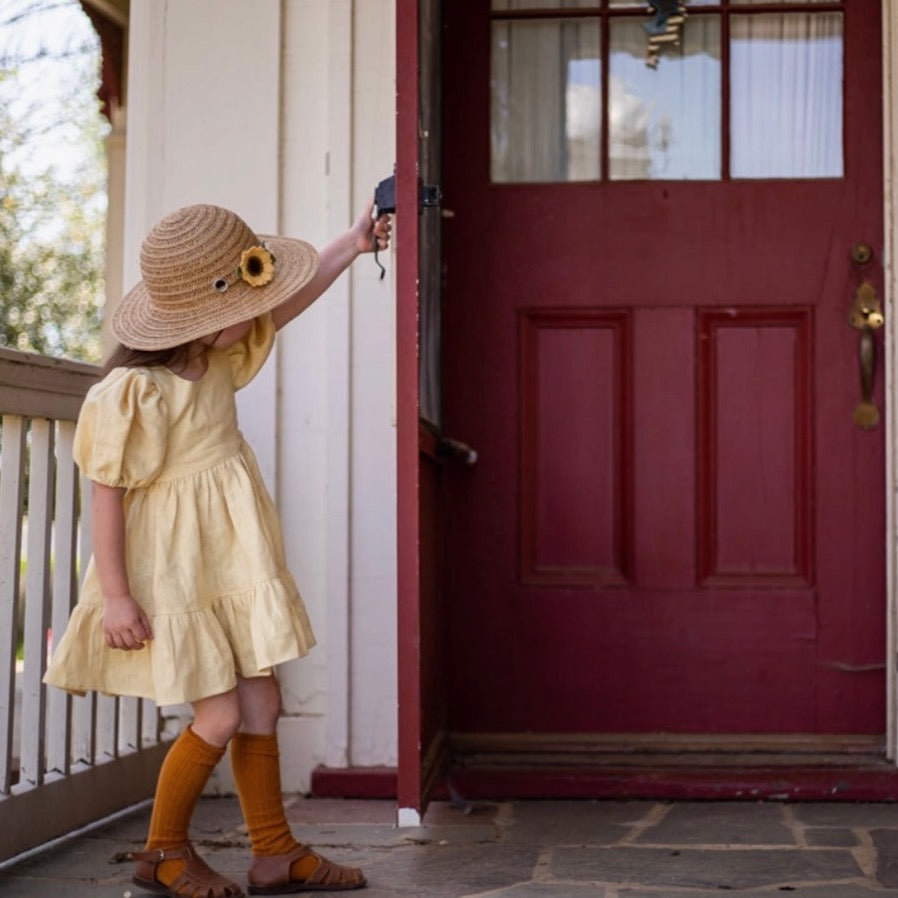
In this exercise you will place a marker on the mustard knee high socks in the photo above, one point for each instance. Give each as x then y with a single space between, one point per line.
255 761
182 778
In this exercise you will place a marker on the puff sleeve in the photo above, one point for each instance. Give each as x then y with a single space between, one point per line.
249 354
121 435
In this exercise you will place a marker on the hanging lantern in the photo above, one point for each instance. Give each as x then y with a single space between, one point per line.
664 29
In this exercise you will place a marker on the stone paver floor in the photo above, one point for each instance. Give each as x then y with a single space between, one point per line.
527 849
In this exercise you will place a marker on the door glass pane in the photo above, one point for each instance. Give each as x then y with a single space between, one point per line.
786 96
642 4
545 100
502 5
665 122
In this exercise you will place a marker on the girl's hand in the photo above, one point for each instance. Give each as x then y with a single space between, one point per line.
125 625
367 230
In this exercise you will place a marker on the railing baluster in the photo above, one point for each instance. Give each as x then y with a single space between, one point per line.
83 748
65 538
37 600
129 718
12 492
84 711
107 728
151 728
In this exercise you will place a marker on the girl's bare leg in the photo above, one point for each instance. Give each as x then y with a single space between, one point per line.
260 704
217 718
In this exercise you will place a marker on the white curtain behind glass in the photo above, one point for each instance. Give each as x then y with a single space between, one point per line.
786 96
501 5
545 101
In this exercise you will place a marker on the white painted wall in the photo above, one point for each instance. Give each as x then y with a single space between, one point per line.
291 124
373 588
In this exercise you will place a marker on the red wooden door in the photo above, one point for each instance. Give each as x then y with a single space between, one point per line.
674 524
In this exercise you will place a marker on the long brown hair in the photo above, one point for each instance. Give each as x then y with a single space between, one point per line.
125 357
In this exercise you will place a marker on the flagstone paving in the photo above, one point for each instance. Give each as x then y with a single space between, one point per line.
526 849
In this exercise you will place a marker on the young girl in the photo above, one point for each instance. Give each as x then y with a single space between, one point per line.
187 597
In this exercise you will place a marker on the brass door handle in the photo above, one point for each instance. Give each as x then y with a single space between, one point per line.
866 316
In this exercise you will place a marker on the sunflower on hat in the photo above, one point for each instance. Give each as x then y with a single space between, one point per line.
256 266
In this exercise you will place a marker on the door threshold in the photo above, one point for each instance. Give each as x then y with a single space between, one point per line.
642 760
874 780
675 747
673 766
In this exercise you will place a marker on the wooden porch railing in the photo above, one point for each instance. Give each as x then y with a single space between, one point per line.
65 761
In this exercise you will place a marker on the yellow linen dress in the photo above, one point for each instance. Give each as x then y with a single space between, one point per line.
204 549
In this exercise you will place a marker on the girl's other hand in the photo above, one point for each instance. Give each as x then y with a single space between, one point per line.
125 625
367 230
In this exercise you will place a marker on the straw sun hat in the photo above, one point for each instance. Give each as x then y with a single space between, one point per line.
204 270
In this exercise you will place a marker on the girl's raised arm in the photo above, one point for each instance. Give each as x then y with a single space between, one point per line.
334 259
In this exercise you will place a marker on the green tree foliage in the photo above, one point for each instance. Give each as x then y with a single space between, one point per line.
52 189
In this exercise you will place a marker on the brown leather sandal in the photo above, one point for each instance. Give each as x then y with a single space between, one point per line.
196 880
271 875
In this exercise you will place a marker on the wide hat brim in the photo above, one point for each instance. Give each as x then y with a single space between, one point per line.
144 322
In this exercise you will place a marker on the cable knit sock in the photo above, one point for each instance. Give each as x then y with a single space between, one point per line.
182 778
255 761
